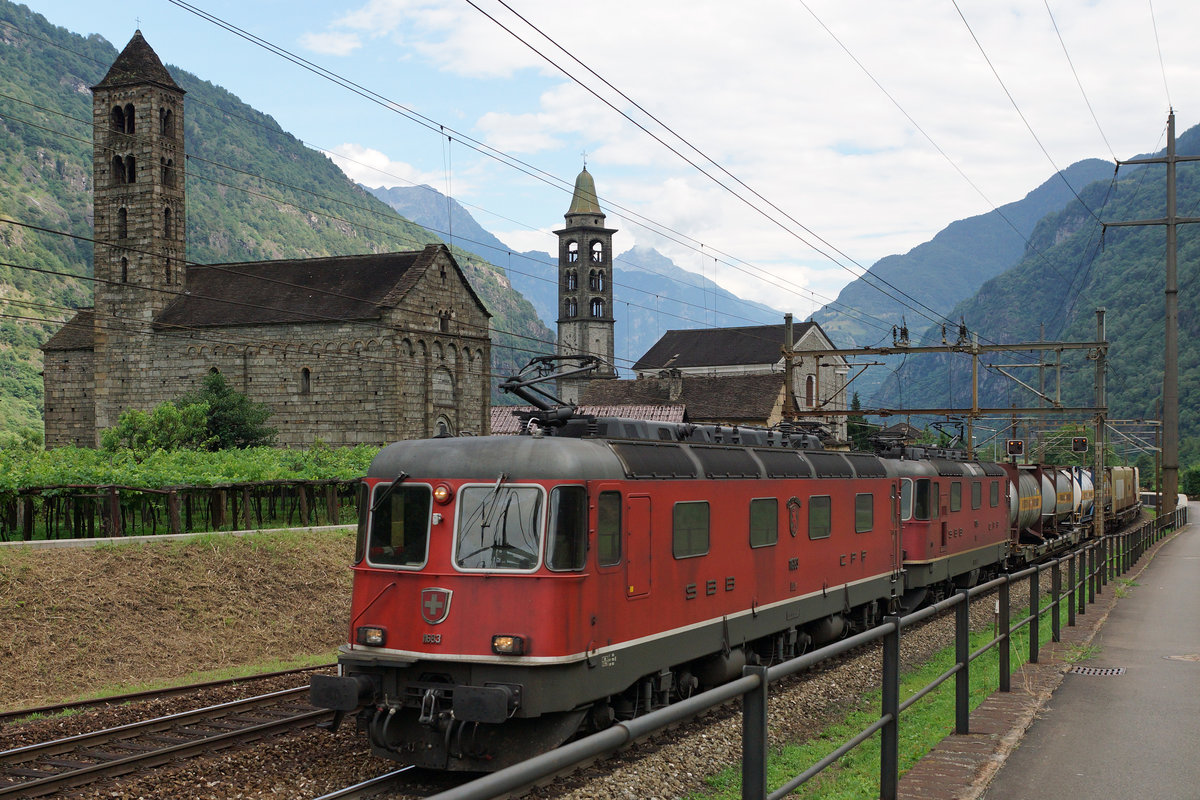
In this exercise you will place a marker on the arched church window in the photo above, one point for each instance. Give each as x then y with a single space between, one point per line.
597 253
305 381
167 232
124 270
122 223
810 391
572 280
166 122
572 308
444 322
117 119
130 169
572 252
597 307
167 166
118 170
129 116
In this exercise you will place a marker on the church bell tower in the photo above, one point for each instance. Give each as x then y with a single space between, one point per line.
585 295
138 184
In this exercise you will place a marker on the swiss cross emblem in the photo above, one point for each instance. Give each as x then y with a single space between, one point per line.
435 605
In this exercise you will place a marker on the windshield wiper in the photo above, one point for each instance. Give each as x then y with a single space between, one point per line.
386 493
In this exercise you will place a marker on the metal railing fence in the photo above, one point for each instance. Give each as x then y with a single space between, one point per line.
1089 569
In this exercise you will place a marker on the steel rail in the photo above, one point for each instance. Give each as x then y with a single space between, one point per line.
148 694
122 765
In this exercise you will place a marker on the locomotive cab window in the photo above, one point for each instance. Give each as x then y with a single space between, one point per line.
976 494
864 512
568 528
498 527
689 530
925 499
956 496
820 517
764 522
906 499
400 526
608 529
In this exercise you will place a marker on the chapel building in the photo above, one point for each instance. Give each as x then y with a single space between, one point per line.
348 349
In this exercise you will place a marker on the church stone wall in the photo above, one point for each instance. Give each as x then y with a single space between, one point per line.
70 405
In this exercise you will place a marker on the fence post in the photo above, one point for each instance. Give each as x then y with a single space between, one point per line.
1071 591
754 737
889 737
1091 577
1005 637
1056 597
1035 611
1109 567
962 654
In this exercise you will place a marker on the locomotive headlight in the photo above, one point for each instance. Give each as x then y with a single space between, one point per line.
371 636
504 645
442 494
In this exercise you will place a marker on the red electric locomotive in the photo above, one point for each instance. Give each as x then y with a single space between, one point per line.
510 592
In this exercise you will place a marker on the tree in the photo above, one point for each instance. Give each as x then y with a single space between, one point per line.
857 429
213 418
233 419
166 427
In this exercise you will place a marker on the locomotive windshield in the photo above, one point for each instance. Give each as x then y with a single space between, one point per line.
400 527
498 527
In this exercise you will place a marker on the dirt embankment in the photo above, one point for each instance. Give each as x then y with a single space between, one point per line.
75 620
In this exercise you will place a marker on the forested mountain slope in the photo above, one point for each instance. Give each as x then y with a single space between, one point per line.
1069 272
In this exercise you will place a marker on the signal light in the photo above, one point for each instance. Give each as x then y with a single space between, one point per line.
371 636
442 494
1079 444
1016 447
503 645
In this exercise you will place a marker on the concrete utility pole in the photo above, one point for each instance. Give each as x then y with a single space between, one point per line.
1170 445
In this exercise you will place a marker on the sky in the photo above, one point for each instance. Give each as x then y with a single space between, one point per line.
779 147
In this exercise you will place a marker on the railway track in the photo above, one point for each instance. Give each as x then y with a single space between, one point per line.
40 769
149 694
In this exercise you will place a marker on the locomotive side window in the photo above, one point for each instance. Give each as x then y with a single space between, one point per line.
689 530
764 522
568 528
498 527
925 499
976 494
820 517
400 527
864 512
956 496
995 494
906 499
608 529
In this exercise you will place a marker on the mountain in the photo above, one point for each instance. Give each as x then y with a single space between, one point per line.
255 192
1069 271
944 271
651 293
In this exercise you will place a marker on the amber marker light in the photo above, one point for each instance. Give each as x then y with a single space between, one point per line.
442 494
371 636
505 645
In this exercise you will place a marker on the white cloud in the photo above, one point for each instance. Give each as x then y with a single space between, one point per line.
374 168
334 44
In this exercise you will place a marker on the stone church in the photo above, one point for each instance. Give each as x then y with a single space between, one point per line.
348 349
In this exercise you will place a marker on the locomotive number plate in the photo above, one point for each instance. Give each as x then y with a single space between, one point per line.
432 638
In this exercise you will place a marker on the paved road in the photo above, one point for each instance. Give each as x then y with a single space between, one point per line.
1135 735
